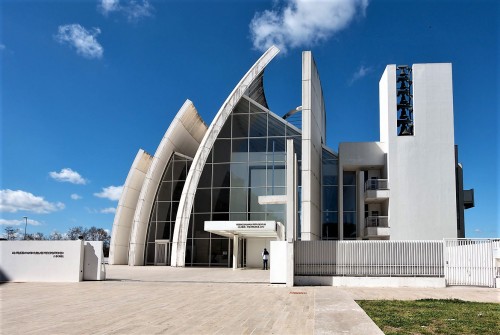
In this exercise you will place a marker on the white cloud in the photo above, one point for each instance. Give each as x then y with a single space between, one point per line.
111 193
19 222
109 210
132 9
81 39
68 175
360 73
299 23
75 196
109 6
13 201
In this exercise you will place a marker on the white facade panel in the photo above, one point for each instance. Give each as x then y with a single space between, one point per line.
421 168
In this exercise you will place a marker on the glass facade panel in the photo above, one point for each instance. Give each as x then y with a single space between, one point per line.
349 198
199 225
330 198
349 178
221 175
258 125
330 227
249 164
221 150
239 175
238 201
220 199
166 204
349 225
240 125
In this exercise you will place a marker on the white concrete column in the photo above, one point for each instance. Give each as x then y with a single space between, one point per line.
236 248
291 210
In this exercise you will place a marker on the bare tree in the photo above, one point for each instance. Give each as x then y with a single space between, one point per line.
11 232
76 233
55 236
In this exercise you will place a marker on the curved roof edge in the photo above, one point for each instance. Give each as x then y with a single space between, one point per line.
184 136
193 177
122 224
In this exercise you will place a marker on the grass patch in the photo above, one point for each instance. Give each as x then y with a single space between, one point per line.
431 316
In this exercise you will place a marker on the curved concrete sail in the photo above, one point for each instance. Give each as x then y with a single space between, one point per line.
187 198
184 136
124 217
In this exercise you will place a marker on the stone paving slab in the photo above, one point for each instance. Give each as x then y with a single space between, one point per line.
164 300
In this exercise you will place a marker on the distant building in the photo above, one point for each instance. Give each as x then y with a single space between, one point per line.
406 186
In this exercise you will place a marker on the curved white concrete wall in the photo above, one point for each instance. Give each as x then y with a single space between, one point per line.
313 137
183 136
122 225
187 198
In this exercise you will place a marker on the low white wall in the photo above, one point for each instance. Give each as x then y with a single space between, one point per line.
370 281
93 261
278 270
41 261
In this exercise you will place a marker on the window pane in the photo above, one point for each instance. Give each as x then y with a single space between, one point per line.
330 198
276 127
165 192
163 231
276 216
225 132
257 145
350 225
240 149
238 200
349 178
276 176
163 211
202 202
222 150
330 172
219 252
199 225
206 176
240 125
349 198
239 175
254 199
150 253
222 176
201 251
220 199
258 125
180 170
257 176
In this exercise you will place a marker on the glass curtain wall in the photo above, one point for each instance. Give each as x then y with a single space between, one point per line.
247 160
349 193
330 172
166 203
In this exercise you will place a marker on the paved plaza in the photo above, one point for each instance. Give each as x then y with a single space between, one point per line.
165 300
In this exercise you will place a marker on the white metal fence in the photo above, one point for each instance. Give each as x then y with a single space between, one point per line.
369 258
461 261
471 261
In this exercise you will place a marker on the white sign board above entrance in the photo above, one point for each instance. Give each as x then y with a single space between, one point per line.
242 228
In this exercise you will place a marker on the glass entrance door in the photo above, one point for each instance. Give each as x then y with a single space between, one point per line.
162 252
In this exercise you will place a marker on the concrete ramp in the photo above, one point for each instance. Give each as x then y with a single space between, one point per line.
335 312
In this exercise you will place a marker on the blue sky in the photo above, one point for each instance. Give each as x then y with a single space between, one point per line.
85 84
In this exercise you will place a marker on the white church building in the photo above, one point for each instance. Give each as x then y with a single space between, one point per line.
205 198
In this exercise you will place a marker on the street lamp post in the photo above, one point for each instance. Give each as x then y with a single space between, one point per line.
26 225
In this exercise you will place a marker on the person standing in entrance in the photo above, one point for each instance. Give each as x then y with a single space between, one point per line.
265 258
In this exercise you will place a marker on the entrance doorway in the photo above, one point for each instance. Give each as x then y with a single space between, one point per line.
162 252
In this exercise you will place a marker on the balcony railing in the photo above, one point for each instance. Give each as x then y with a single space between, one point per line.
377 221
376 184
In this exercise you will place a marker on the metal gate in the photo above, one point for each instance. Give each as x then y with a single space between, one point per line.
470 262
162 252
